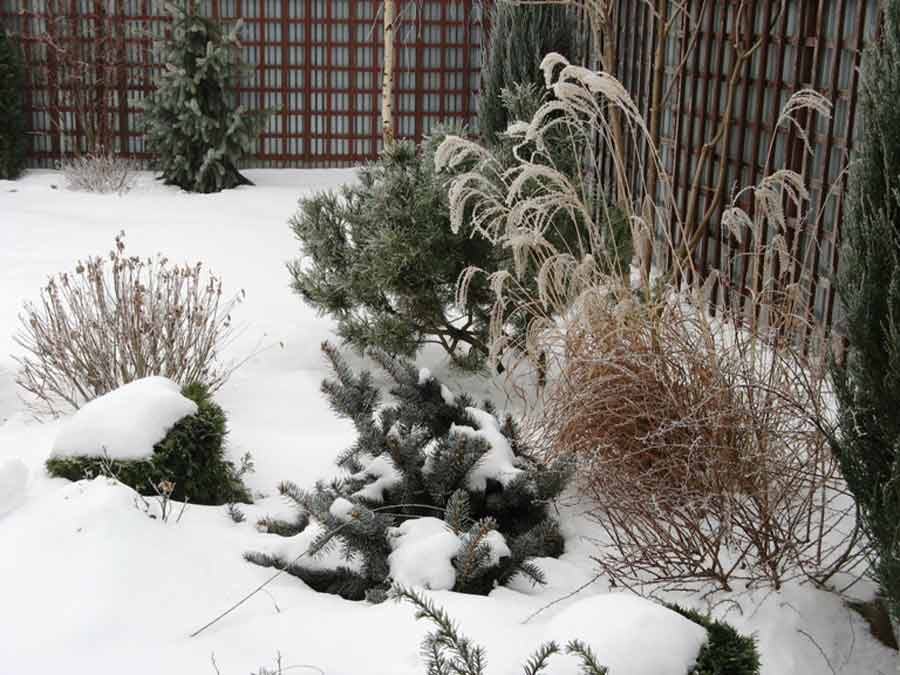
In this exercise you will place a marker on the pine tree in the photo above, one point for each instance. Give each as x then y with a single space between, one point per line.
521 35
430 454
380 257
868 380
194 126
13 144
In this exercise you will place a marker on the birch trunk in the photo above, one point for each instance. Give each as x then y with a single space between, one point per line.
387 82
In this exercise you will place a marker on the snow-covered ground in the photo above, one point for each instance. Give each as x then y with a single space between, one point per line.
90 584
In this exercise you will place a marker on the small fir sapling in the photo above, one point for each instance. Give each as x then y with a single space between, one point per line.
195 126
431 456
447 651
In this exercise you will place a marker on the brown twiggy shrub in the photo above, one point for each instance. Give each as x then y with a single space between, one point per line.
702 448
119 318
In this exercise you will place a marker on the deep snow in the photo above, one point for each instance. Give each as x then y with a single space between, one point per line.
90 584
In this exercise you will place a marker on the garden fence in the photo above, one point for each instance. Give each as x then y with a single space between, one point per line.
795 44
316 63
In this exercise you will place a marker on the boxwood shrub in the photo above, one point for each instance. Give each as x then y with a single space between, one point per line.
192 456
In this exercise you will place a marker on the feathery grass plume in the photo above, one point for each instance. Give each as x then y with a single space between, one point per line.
520 208
701 442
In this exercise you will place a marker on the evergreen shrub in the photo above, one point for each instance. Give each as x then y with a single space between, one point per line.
191 456
867 379
726 652
447 650
13 143
380 257
520 37
195 126
430 454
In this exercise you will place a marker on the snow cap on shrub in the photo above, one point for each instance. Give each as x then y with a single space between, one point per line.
125 423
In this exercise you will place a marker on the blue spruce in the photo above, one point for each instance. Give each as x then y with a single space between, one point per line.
436 449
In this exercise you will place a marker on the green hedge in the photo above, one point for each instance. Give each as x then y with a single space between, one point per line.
191 456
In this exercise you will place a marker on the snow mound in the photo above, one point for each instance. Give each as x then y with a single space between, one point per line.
498 463
126 423
385 474
496 544
629 635
342 509
448 396
13 481
423 549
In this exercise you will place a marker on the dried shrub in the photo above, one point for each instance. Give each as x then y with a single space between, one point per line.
702 449
118 318
100 173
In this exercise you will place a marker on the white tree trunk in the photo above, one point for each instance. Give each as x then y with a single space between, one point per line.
387 83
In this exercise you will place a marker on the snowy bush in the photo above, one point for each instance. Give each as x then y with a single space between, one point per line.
13 143
195 126
146 435
384 256
440 493
99 173
120 318
703 451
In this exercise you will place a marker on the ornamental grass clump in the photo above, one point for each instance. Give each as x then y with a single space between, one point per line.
118 318
701 441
